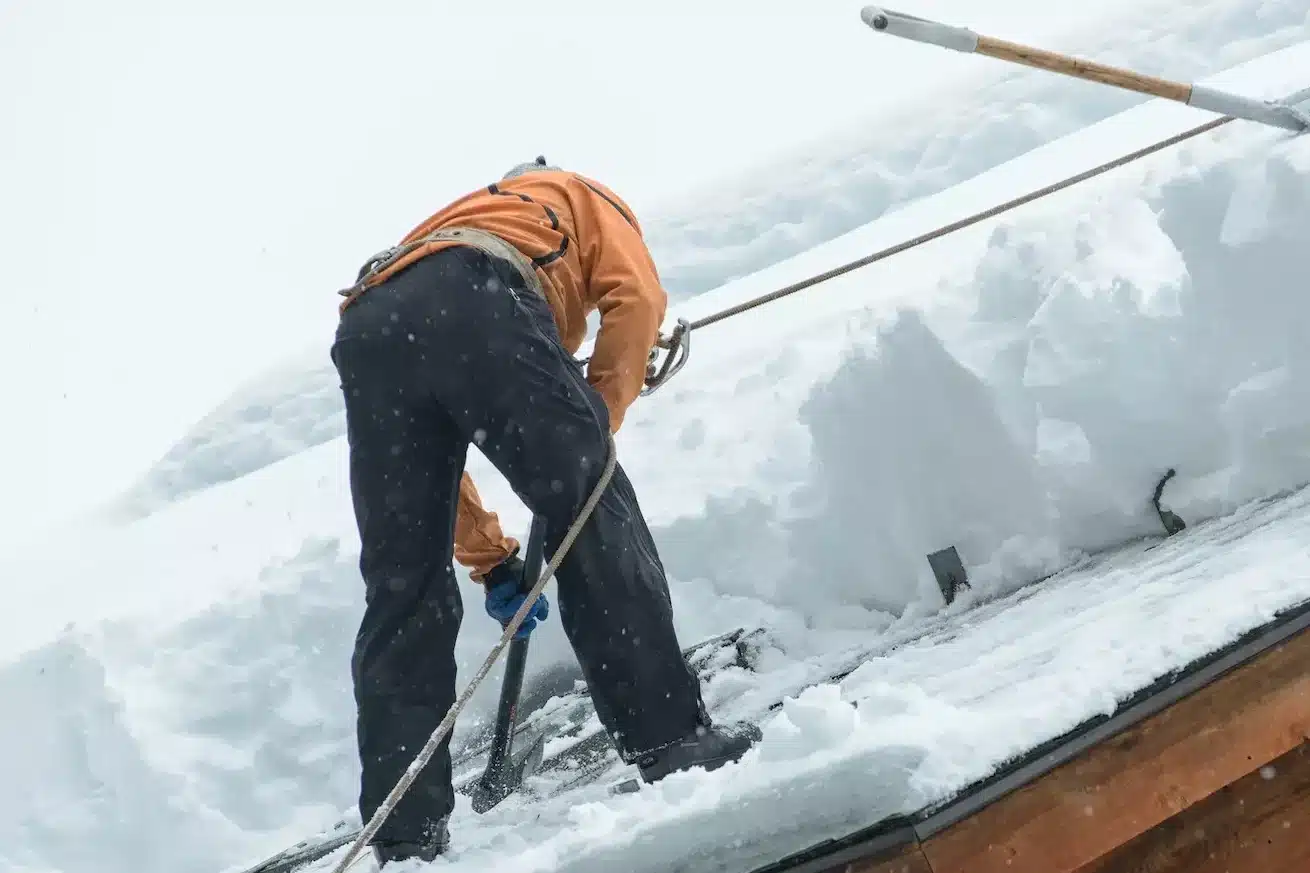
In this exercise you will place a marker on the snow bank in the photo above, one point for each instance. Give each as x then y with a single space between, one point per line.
1091 353
287 410
1017 392
80 792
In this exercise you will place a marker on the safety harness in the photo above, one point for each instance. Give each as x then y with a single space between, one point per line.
488 243
678 345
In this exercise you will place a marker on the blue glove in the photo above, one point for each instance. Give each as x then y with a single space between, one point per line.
505 594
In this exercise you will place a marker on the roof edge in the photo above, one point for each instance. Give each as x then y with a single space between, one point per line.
890 836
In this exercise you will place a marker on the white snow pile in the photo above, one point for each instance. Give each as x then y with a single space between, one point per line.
1015 390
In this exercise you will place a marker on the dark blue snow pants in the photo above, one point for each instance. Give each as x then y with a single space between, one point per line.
452 350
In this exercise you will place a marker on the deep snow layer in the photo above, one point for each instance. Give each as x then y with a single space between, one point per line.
1054 363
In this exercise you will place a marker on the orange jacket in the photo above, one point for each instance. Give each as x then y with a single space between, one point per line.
588 251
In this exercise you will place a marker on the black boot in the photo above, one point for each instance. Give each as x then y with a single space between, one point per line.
709 748
427 851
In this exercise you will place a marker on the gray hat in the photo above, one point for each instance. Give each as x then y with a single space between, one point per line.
539 165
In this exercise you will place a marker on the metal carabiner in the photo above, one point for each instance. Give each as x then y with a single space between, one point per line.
678 348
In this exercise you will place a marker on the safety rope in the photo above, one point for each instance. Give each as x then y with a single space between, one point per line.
439 733
677 345
955 225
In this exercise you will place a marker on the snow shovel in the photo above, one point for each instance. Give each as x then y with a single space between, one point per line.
506 771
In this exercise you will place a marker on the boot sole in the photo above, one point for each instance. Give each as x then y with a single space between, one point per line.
656 773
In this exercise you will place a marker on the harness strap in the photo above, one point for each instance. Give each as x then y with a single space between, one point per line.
488 243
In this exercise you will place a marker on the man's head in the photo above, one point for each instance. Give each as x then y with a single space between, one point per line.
538 165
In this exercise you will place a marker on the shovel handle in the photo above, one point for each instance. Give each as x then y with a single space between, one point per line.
1080 68
516 661
962 39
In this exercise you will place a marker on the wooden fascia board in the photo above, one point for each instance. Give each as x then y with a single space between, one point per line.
892 840
1259 823
1133 781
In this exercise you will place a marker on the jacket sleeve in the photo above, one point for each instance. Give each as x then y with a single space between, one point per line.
622 280
480 544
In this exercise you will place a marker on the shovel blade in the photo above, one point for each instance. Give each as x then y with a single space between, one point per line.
491 789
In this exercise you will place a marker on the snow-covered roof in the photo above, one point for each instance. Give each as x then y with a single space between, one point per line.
1015 392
